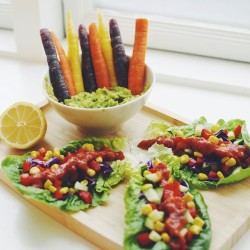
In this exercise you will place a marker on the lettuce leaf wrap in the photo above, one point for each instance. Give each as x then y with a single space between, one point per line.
139 232
208 170
97 185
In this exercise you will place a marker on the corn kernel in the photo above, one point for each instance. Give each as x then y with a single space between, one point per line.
146 209
156 162
146 172
224 159
64 190
165 237
72 190
231 162
190 204
84 182
184 159
214 139
47 184
48 154
56 152
220 174
159 226
198 154
98 159
179 133
34 154
88 147
146 186
198 221
54 167
34 170
230 135
222 145
61 157
188 197
195 229
202 176
215 128
52 189
91 172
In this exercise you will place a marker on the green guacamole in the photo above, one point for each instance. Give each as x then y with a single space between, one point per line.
101 98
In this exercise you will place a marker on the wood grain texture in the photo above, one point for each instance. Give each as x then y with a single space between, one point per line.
228 206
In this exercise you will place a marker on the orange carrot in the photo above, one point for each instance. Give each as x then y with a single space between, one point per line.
65 65
137 61
99 63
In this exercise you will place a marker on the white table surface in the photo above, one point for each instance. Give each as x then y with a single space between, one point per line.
23 226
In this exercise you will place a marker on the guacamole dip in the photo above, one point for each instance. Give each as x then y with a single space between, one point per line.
101 98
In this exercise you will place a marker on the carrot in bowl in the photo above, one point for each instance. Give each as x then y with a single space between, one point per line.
106 48
99 63
65 65
137 61
73 54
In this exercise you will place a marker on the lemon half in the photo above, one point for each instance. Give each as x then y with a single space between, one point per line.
22 125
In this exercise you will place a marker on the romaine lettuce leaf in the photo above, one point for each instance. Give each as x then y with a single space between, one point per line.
12 166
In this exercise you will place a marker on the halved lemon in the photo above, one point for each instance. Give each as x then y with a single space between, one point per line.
22 125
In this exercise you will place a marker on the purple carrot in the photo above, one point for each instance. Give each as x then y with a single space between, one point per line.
121 60
88 74
56 76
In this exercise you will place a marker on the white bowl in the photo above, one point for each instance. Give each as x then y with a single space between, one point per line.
98 121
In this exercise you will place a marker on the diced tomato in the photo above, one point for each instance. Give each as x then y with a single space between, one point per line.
189 236
205 133
57 183
144 240
85 196
212 174
192 211
225 169
176 188
42 151
25 179
95 166
57 194
67 157
199 160
153 170
26 166
237 131
192 162
153 205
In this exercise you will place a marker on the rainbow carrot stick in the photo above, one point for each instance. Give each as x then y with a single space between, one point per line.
106 48
73 54
137 61
99 63
65 65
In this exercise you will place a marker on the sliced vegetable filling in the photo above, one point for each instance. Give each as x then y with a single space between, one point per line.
74 178
213 154
167 213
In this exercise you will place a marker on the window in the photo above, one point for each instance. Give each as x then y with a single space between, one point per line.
208 28
5 14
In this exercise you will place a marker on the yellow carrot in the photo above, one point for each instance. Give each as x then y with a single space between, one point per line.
73 54
65 65
106 48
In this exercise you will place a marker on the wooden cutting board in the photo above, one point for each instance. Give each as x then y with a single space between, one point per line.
228 206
